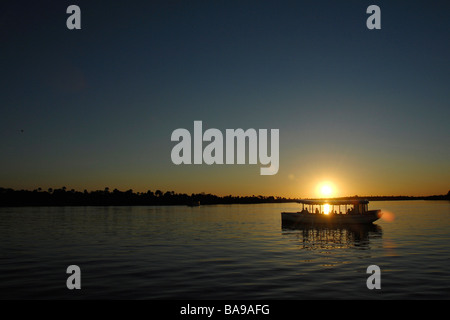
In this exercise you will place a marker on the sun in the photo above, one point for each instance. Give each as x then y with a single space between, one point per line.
326 190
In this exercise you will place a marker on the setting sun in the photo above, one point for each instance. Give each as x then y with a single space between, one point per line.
325 190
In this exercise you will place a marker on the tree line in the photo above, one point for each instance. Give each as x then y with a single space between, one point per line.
106 197
63 197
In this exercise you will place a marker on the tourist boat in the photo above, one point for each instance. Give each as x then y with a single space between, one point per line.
353 211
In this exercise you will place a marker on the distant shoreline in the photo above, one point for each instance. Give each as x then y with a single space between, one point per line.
63 197
392 198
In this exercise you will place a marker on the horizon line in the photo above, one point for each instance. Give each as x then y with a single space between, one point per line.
171 192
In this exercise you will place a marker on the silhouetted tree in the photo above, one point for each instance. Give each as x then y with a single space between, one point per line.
59 197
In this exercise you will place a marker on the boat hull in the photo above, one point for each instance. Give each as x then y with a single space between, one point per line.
309 218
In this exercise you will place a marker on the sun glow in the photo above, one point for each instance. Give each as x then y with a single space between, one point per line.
325 190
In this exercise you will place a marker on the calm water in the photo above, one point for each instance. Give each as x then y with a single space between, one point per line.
222 252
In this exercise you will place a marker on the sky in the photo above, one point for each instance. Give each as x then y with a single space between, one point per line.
363 111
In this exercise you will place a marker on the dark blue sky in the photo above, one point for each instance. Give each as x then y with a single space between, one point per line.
364 109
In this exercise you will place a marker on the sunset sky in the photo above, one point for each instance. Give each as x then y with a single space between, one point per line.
363 111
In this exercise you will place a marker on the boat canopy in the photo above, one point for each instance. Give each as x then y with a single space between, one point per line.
333 202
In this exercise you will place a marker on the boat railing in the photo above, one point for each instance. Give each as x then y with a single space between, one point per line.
349 212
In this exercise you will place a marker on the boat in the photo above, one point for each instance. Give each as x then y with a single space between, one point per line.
352 211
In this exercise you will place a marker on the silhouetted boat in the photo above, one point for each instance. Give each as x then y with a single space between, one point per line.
324 212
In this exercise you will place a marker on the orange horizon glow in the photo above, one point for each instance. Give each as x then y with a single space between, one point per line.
222 182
